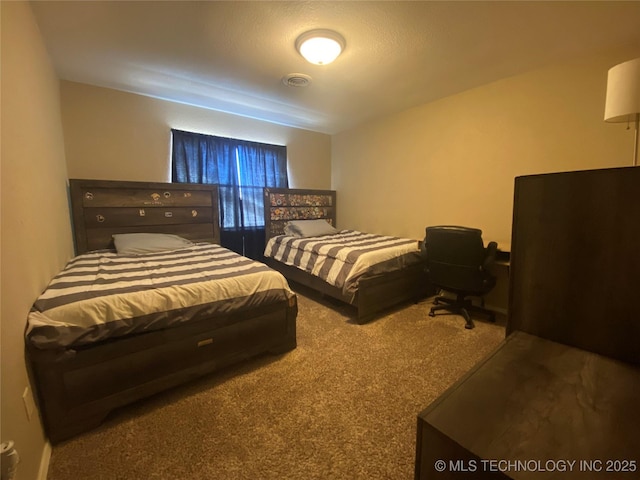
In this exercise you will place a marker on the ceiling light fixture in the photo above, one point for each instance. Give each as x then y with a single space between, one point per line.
320 47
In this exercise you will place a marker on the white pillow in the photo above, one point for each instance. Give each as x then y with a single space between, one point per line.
134 243
309 228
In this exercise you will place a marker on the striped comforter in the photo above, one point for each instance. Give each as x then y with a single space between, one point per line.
343 258
102 295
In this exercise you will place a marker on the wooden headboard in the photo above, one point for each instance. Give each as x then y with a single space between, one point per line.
102 208
284 204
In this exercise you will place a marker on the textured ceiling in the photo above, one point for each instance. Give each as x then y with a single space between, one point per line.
232 56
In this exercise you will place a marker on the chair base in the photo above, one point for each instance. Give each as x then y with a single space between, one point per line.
461 306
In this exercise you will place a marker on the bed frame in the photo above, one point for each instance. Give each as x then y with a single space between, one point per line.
375 293
77 388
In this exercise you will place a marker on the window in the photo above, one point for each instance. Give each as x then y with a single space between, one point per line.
241 169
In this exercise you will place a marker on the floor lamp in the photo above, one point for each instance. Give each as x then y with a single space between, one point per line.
623 97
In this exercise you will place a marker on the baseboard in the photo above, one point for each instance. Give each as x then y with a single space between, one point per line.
501 310
44 462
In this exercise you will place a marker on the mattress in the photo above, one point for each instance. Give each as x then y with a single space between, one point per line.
342 259
102 295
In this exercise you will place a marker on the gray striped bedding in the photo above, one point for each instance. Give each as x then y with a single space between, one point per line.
343 258
102 295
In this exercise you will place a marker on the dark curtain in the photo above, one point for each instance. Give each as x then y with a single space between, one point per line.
241 169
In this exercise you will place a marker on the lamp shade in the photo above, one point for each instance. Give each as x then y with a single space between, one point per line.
623 92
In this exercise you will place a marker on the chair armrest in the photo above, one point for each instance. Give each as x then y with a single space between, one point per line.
490 257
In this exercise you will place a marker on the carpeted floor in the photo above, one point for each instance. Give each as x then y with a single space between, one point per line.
342 405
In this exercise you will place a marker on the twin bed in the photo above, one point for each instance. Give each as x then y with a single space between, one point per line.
151 300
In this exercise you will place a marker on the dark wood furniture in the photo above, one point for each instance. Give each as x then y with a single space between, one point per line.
77 388
375 292
102 208
564 384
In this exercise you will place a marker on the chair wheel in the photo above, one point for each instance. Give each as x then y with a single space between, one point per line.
431 314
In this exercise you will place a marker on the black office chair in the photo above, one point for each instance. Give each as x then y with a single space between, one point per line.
458 262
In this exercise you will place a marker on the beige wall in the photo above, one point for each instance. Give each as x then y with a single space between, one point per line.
454 161
113 135
36 236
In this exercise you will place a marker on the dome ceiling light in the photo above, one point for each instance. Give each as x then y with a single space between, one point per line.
320 47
